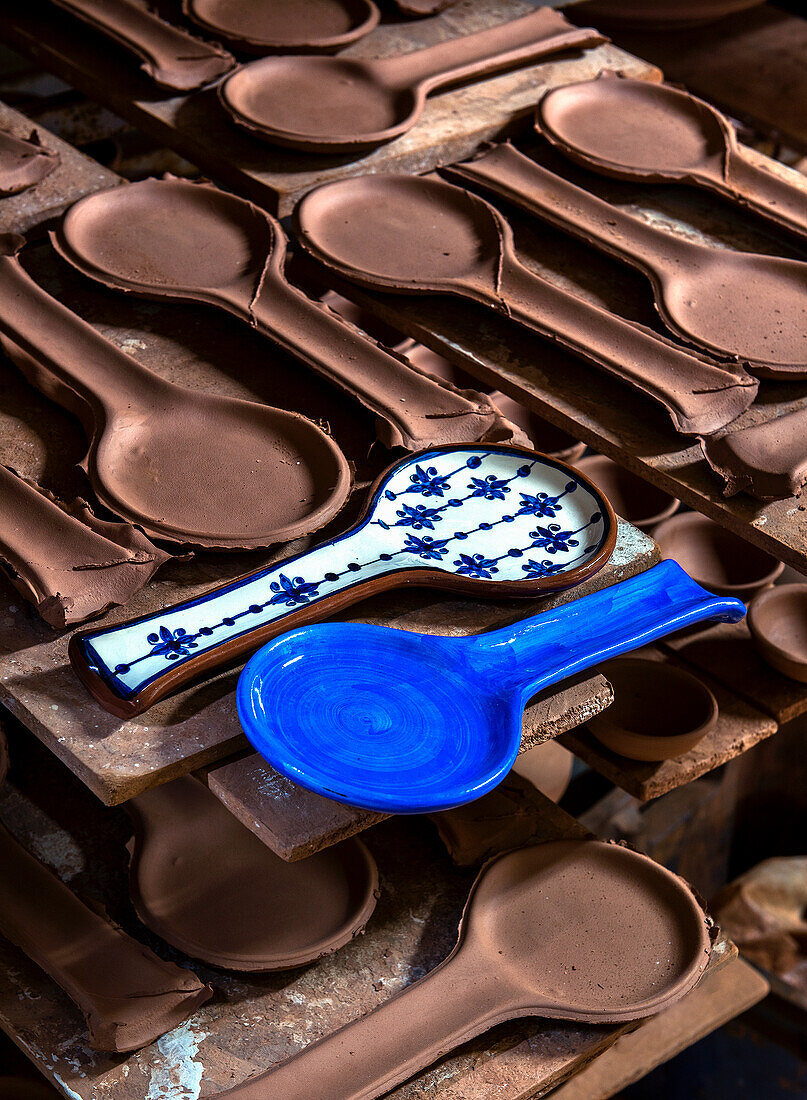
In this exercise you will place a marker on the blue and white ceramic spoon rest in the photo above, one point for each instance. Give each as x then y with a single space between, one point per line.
411 723
481 519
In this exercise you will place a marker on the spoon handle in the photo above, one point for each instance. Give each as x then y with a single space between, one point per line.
503 46
770 196
515 177
699 395
171 57
549 647
71 357
417 412
130 665
368 1057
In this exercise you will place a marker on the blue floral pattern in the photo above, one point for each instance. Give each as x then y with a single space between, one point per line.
476 565
552 539
427 482
462 493
418 516
427 547
171 644
292 592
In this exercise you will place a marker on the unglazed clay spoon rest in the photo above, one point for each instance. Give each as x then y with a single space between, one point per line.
733 303
483 520
208 886
338 105
573 929
636 130
185 466
399 722
173 239
417 235
171 57
285 26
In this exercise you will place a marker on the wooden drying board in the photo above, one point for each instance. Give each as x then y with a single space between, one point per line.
115 758
740 726
751 64
593 406
452 126
74 176
295 822
254 1021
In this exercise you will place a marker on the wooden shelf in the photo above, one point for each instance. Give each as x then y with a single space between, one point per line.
255 1021
452 126
740 726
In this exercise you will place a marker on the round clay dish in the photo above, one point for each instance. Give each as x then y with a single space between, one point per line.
718 559
659 711
545 437
777 619
636 500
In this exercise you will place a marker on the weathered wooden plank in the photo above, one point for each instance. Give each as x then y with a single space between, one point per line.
295 823
453 124
740 726
74 176
253 1021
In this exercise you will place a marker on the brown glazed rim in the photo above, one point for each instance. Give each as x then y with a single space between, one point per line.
424 577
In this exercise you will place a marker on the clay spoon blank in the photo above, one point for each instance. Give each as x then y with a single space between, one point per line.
419 236
172 239
398 722
733 303
285 26
184 466
339 104
572 929
211 888
171 57
635 130
479 519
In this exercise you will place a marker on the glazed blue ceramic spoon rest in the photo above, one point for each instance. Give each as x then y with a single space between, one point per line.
480 519
412 723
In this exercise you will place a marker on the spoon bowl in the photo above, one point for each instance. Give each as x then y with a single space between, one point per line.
290 26
571 929
638 130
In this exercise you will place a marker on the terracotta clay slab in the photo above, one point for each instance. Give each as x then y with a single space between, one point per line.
767 460
24 162
727 654
254 1022
194 126
69 564
119 759
74 175
294 822
739 727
